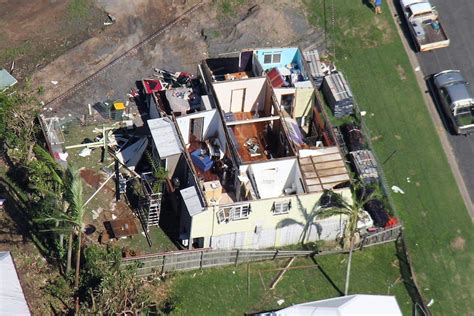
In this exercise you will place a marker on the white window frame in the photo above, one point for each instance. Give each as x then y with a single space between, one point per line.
233 213
239 212
223 215
272 57
281 207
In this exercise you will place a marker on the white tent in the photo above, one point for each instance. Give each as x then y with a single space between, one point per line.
12 299
352 305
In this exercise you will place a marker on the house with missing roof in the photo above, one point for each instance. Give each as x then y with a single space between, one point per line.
248 152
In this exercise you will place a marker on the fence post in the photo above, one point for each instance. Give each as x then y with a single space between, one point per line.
237 257
163 267
276 254
200 262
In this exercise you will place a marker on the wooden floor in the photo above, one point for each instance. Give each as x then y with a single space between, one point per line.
255 131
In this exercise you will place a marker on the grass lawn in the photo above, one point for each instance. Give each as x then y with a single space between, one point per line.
439 230
224 291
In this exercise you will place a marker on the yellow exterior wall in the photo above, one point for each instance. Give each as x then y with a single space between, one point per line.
304 102
205 224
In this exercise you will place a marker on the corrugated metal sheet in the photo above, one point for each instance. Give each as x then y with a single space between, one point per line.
165 137
338 94
192 201
276 79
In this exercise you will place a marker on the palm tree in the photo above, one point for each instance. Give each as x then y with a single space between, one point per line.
339 206
74 218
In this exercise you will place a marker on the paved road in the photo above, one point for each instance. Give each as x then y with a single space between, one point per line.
457 17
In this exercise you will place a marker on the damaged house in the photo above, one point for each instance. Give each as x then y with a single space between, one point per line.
247 151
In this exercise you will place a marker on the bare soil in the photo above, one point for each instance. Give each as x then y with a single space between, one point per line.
36 32
206 32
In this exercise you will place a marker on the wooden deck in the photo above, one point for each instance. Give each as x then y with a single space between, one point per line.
323 171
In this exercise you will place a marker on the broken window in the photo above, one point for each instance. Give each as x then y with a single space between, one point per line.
281 207
223 215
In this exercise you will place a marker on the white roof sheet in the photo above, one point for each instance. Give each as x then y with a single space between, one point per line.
352 305
6 80
12 299
165 137
192 201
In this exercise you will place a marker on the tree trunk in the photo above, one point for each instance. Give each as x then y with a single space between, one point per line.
69 252
78 266
29 157
348 272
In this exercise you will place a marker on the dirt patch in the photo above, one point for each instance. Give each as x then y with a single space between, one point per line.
401 72
36 32
377 137
458 243
398 137
387 32
91 177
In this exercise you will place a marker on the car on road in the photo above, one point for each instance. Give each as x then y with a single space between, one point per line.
424 25
457 101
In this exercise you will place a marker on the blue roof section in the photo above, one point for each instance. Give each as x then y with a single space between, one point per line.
6 80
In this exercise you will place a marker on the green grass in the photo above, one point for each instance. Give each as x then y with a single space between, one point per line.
229 7
224 291
79 9
7 55
439 230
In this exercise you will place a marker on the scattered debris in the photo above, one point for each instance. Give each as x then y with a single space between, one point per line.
365 165
280 301
363 113
85 152
338 94
280 274
54 82
397 189
408 179
417 68
114 216
430 303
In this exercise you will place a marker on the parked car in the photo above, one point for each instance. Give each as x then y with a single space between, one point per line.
425 28
457 101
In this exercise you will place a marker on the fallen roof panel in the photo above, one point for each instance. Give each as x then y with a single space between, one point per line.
165 137
192 201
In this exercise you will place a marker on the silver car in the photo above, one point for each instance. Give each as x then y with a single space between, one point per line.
456 100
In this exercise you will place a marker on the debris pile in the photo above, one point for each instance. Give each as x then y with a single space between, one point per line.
338 95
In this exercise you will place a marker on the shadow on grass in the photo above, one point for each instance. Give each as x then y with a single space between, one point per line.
419 306
400 17
369 4
327 277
